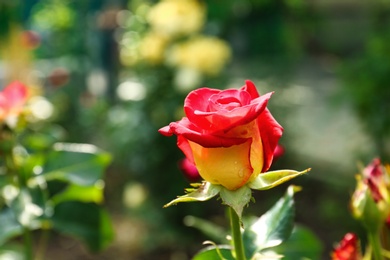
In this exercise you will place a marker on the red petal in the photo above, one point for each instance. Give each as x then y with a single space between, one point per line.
251 88
191 132
270 132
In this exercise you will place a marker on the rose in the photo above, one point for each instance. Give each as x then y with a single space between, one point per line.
12 99
229 135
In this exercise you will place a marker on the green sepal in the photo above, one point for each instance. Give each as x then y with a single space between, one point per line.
268 180
236 199
272 228
366 210
204 192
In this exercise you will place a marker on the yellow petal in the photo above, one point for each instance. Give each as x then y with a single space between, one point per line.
229 167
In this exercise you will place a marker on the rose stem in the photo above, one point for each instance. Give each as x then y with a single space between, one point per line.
238 244
376 245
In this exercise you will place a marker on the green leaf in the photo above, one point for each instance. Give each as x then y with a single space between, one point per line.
268 180
9 226
204 192
42 139
236 199
302 244
272 228
85 221
81 193
222 252
81 164
12 252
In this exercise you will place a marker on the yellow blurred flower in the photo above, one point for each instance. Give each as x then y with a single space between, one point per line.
152 48
149 49
205 54
177 17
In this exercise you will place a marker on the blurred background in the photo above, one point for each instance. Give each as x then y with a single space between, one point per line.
116 71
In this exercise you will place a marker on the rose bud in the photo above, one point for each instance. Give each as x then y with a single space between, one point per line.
229 135
347 249
189 170
278 152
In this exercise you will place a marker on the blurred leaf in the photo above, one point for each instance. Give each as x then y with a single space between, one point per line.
81 164
31 166
236 199
204 192
272 228
213 231
213 253
12 252
85 221
268 180
3 180
26 211
43 138
81 193
302 244
9 226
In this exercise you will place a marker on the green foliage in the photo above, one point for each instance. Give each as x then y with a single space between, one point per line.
9 226
272 228
73 209
302 244
273 232
81 164
13 252
86 221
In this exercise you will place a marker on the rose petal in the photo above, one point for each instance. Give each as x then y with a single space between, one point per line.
191 132
251 89
224 120
270 131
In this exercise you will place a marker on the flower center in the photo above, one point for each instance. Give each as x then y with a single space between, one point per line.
223 103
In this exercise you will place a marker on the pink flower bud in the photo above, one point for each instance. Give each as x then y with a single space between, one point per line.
189 170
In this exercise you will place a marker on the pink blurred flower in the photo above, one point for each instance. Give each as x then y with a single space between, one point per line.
278 152
12 100
189 170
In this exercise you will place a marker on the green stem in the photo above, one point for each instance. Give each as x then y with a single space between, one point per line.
27 244
238 244
375 245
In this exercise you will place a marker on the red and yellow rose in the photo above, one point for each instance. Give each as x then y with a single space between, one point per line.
229 135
